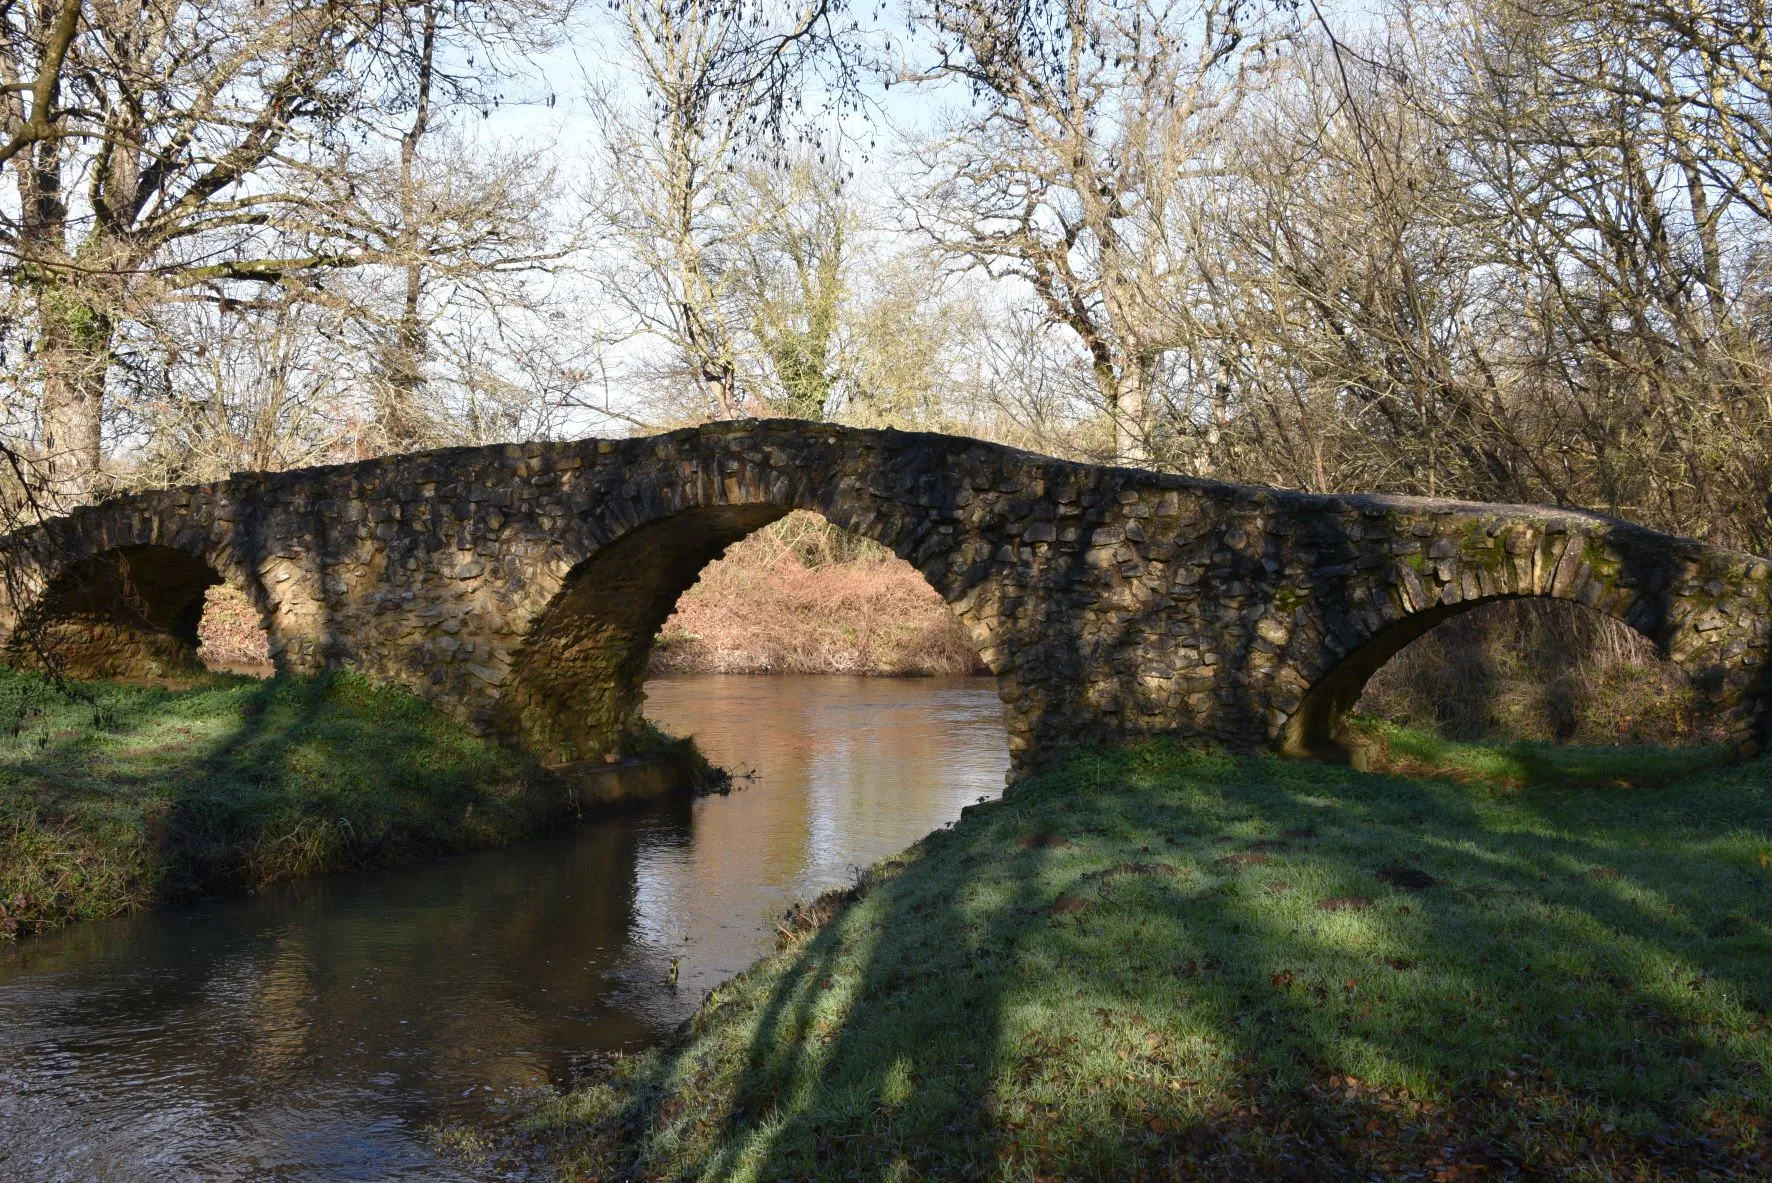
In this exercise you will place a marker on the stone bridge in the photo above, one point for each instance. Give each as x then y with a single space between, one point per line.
520 587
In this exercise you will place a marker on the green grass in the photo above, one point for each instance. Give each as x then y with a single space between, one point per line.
1168 964
1409 751
143 794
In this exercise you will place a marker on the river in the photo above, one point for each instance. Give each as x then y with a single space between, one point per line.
317 1032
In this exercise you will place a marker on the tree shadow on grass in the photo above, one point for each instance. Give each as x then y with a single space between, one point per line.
238 783
1256 966
866 1045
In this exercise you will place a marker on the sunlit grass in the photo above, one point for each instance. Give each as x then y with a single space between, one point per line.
128 795
1163 961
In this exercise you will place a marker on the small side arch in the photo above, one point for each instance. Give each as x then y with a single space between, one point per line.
1313 728
126 612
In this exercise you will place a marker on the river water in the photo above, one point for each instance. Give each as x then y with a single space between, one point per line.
317 1032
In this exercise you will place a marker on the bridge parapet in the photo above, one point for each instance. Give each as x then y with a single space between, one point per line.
520 587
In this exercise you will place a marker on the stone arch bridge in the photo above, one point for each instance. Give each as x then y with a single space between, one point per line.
519 587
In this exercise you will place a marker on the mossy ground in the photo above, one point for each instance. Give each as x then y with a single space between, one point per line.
121 796
1162 963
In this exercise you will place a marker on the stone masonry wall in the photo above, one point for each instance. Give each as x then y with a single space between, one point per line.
519 587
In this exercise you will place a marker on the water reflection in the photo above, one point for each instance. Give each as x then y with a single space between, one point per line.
311 1033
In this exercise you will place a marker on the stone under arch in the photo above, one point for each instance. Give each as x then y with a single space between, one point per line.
127 612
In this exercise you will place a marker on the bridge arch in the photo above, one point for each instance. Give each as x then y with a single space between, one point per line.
575 686
124 612
1700 611
1316 725
115 592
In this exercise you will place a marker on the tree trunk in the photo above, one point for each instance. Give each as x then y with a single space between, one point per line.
1129 410
74 350
718 377
403 382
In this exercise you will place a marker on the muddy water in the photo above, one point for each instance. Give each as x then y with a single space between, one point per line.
320 1031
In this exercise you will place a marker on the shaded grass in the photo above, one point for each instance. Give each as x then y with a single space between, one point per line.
145 794
1165 963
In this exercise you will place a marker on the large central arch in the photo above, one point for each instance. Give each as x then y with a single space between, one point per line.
576 682
575 688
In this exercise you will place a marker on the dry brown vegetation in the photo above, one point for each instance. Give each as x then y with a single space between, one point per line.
230 635
802 597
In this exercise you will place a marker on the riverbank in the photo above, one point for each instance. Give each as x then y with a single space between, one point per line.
802 597
1163 963
138 795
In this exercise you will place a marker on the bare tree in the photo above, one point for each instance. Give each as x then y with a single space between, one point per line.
1449 259
1627 244
793 279
247 388
189 151
1088 122
723 82
1339 298
457 58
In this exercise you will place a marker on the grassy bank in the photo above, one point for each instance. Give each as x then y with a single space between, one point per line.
1165 964
144 794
